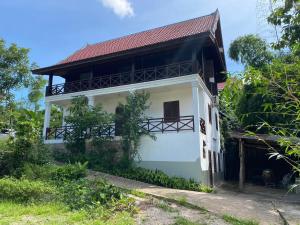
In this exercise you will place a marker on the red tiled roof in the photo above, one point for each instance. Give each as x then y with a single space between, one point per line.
150 37
221 86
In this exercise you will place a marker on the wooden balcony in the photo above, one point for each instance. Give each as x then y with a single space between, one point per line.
113 80
152 125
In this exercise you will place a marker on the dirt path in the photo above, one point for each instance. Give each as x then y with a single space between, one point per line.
237 204
158 212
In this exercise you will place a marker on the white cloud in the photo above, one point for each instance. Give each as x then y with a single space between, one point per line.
121 8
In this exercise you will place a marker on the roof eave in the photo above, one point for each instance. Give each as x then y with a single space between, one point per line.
58 67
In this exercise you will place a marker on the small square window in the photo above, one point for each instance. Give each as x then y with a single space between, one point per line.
171 111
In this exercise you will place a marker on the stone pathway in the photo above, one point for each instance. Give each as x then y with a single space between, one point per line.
246 206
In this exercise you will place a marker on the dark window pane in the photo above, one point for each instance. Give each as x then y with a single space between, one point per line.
171 111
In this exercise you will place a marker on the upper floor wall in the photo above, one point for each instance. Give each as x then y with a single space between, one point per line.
185 59
190 47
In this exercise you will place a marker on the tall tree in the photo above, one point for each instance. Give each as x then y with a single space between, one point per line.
287 17
250 50
15 69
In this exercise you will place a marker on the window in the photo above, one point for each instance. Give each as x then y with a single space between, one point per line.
217 122
209 113
171 111
204 150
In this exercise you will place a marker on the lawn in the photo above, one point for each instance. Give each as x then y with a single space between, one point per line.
55 213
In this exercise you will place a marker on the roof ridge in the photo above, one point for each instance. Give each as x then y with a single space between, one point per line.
140 32
84 51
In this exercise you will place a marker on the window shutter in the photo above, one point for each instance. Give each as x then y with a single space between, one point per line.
171 111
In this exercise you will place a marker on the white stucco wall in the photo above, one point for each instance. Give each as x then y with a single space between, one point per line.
184 147
169 146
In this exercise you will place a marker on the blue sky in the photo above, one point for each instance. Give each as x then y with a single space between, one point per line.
53 29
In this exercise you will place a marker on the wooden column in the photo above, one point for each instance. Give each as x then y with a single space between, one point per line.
195 61
242 165
50 83
132 72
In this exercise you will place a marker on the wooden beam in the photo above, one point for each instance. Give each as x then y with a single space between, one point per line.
50 81
242 165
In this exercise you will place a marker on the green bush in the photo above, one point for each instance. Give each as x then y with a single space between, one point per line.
70 172
160 178
53 172
14 154
87 194
24 190
40 172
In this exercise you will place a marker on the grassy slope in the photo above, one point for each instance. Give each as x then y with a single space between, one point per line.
53 213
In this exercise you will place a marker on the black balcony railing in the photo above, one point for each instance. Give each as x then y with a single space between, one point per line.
143 75
182 123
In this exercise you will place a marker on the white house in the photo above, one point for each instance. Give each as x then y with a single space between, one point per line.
179 65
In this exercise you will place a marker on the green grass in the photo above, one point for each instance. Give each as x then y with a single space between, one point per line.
165 206
137 193
55 213
236 221
183 221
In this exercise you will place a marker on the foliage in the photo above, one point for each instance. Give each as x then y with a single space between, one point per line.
288 18
25 147
36 91
183 221
229 102
83 117
25 190
54 173
69 172
280 84
59 214
235 221
250 50
103 153
132 116
56 116
85 194
14 69
159 178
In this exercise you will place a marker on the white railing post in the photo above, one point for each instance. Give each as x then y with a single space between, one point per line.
196 102
47 118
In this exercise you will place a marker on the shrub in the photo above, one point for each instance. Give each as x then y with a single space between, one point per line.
51 172
87 194
69 172
34 171
160 178
24 190
14 154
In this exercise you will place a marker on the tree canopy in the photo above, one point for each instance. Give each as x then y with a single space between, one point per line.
288 18
250 50
15 69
